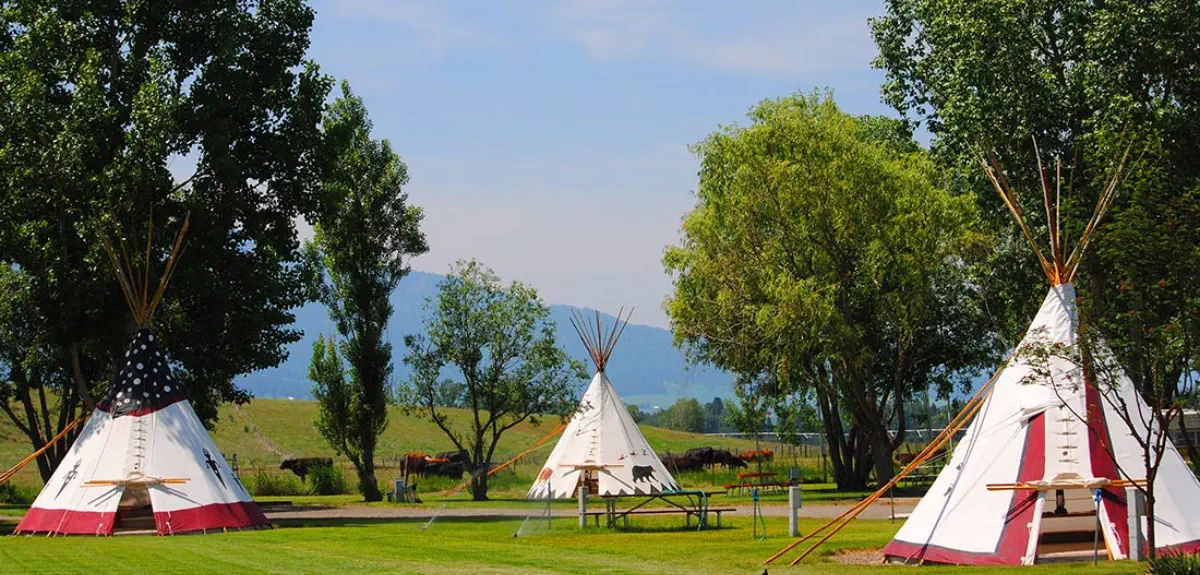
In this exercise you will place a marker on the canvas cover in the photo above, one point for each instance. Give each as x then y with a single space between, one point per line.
602 438
143 429
1031 432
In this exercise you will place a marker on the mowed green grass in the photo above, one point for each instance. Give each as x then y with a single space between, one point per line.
478 546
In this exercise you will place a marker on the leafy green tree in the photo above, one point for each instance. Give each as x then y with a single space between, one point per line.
822 256
498 341
97 102
685 414
1084 80
365 236
636 413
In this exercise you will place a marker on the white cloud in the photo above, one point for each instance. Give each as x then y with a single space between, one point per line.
770 38
426 23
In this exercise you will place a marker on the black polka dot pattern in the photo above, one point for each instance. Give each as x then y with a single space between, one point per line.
144 383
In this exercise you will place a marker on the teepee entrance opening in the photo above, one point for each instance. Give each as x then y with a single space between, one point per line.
1069 529
134 512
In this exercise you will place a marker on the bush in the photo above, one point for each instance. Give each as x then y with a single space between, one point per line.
1176 564
329 480
265 483
11 493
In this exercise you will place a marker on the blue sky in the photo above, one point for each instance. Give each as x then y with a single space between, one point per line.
549 139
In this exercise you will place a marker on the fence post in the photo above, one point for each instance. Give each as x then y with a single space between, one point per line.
583 496
1137 509
794 501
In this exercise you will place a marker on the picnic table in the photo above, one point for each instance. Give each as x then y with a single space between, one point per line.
688 502
765 481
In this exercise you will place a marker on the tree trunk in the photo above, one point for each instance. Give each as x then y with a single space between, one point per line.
881 454
479 483
368 485
1152 551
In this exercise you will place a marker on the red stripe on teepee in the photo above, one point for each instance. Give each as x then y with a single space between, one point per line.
65 522
1100 447
1014 537
214 516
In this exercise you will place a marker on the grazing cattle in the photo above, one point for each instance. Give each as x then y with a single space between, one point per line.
414 463
459 456
643 473
443 469
302 465
729 460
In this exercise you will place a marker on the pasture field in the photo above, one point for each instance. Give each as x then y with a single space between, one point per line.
471 545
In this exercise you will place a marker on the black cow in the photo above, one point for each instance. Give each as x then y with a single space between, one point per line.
443 469
729 460
459 456
302 465
643 473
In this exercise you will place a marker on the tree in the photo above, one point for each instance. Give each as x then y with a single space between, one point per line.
1146 415
365 236
822 255
97 103
684 415
499 342
1081 80
636 413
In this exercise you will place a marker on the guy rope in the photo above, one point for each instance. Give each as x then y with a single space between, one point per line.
961 420
497 468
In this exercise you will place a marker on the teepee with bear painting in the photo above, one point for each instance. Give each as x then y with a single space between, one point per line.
143 453
601 448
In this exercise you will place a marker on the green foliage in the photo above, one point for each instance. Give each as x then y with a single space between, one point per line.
14 493
265 483
823 255
499 343
636 413
685 414
1175 564
366 234
327 480
97 102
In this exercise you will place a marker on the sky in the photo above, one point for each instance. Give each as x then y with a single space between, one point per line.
549 140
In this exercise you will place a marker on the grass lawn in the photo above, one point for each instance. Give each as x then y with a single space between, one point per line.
477 546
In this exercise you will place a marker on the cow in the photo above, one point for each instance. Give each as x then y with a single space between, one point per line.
459 456
729 460
302 465
643 473
443 469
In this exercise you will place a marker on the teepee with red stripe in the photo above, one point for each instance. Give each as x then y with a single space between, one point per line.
1020 484
143 452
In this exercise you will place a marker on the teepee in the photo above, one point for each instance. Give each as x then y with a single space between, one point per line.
1021 482
143 453
601 448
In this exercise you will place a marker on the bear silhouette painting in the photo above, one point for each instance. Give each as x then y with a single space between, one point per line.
643 473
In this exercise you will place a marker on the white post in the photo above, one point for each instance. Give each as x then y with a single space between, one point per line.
794 499
1136 506
583 495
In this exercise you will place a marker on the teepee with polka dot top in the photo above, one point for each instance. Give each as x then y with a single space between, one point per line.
143 453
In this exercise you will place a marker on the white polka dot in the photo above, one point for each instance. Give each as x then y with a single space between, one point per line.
155 370
157 395
157 354
167 388
120 394
143 346
151 337
140 366
137 381
145 394
127 363
127 354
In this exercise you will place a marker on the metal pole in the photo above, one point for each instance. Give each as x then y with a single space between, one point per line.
583 495
1096 535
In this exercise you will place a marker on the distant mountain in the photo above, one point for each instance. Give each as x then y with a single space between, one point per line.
646 368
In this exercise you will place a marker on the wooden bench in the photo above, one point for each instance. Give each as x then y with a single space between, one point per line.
689 512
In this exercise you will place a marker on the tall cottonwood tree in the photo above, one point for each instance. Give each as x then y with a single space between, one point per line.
366 234
99 102
821 256
1083 80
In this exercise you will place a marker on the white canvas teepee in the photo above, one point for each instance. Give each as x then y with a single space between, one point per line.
601 447
143 452
1020 483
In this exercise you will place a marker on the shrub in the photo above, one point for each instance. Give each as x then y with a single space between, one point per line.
327 480
1176 564
265 483
11 493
